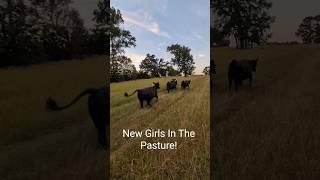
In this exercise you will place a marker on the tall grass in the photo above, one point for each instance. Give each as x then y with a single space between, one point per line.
37 144
269 131
187 109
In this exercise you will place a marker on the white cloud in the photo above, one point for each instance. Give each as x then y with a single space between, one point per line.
145 21
201 55
136 58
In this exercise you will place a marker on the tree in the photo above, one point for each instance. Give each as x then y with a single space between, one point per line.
206 71
163 67
212 42
248 21
173 72
107 30
182 58
50 30
218 38
153 66
108 21
18 40
129 71
309 29
63 34
143 75
122 69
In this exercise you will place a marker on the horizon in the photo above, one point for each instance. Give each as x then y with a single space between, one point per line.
157 24
143 24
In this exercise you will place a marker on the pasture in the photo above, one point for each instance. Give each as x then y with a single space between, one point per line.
271 130
187 109
37 144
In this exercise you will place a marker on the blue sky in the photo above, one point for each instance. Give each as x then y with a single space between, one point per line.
157 24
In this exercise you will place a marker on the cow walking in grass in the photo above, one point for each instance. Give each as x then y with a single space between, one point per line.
172 85
185 84
146 94
98 105
240 70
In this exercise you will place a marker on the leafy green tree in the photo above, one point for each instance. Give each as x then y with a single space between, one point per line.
218 38
206 71
182 58
143 75
248 21
122 69
172 72
108 21
107 29
154 66
63 34
163 67
18 43
309 29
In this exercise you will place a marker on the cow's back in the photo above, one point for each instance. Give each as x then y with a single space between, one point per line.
147 92
240 69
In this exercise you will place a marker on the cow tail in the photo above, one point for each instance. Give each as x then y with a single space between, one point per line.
52 105
127 95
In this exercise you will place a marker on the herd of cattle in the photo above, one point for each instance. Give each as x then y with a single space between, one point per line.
238 71
147 94
98 101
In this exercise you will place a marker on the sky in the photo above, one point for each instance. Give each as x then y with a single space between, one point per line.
157 24
289 14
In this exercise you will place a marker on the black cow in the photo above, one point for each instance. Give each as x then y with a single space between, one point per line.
98 105
172 85
185 84
146 94
240 70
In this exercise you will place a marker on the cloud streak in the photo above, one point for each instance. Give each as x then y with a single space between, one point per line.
145 22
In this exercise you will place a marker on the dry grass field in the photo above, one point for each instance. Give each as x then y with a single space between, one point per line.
37 144
269 131
187 109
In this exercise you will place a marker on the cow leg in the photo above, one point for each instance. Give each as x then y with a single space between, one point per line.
250 80
236 84
141 103
149 100
102 137
98 116
230 83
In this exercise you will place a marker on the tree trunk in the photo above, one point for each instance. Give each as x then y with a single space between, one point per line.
242 43
236 38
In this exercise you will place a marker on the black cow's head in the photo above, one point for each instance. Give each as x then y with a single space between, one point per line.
174 81
156 85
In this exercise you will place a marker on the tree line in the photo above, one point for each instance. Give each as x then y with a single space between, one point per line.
248 21
182 62
35 31
122 68
309 30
